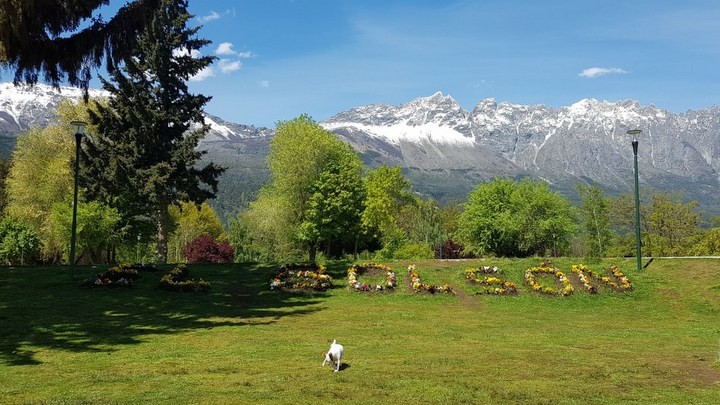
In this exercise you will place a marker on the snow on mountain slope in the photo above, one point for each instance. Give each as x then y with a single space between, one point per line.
445 149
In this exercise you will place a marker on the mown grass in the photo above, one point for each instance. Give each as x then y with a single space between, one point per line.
242 343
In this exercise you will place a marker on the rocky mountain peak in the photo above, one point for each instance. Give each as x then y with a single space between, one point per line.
446 150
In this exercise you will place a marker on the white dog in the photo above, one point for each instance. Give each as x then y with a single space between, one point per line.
334 355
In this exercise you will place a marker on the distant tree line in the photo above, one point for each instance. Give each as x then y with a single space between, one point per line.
144 192
320 203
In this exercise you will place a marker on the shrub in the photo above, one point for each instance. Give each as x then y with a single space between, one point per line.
205 249
18 243
179 280
413 251
451 250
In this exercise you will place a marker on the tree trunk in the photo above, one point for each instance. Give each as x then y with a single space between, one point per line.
312 252
163 225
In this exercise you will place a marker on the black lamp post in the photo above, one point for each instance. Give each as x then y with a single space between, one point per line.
634 133
79 127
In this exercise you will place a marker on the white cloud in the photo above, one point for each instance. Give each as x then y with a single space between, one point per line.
225 49
210 17
184 52
229 66
600 71
203 74
246 55
264 83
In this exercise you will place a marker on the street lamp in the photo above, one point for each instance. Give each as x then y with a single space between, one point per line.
79 127
634 133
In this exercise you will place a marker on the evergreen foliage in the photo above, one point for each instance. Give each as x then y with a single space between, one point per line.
44 38
144 157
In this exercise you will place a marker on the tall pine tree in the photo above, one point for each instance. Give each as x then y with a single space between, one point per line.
144 158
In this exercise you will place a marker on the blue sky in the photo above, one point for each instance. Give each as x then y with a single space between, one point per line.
282 58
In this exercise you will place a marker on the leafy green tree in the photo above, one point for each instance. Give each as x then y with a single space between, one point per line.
388 191
18 242
190 222
144 158
671 224
40 175
269 221
57 39
243 239
516 219
708 244
97 230
488 223
595 214
4 171
667 225
336 204
313 193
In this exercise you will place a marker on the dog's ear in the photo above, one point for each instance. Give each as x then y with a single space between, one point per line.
324 354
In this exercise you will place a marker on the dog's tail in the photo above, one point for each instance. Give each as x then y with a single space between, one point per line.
334 341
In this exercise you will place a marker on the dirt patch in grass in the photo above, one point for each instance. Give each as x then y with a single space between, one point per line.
699 369
467 300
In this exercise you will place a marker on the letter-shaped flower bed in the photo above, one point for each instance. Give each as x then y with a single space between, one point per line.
118 276
618 282
179 280
562 285
490 283
371 269
419 287
298 277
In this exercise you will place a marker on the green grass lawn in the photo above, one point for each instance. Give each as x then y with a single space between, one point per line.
242 343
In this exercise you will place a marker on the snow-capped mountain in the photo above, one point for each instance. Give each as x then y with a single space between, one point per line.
435 138
445 149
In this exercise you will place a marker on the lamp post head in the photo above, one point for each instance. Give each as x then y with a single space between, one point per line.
634 133
78 126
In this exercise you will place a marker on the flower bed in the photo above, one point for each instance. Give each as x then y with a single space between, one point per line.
619 282
297 277
419 287
489 283
118 276
179 280
565 288
358 269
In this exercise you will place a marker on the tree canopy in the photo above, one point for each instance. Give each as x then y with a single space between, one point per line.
315 193
506 218
66 39
144 156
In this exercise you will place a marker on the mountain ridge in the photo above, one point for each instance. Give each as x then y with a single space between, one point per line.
445 150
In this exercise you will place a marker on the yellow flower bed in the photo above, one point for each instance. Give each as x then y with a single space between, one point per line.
490 284
419 286
297 277
618 282
564 289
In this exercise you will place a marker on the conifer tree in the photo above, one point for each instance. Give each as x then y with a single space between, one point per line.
144 158
44 38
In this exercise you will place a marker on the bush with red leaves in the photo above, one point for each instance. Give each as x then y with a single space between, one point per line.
451 250
205 249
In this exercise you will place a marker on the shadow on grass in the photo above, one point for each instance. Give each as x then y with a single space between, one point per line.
41 308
